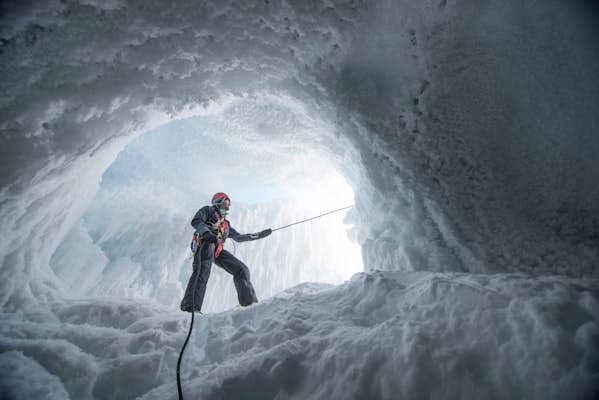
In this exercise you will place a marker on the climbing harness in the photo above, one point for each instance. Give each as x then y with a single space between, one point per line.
219 226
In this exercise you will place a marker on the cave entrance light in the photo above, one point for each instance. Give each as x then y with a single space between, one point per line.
273 162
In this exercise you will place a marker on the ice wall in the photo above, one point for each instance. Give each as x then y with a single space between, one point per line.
471 128
475 116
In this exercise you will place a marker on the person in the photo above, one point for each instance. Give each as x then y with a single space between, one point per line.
213 229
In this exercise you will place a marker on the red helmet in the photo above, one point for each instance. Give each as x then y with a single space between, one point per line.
220 197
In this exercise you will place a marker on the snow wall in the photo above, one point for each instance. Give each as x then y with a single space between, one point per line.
468 130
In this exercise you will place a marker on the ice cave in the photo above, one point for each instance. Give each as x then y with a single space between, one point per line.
462 135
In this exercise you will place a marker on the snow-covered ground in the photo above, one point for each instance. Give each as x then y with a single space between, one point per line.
465 131
382 335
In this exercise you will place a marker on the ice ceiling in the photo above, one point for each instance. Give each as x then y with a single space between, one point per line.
467 130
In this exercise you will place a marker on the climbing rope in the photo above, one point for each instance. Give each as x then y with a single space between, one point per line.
181 356
195 282
310 219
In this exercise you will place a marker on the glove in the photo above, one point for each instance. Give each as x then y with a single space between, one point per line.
209 237
264 233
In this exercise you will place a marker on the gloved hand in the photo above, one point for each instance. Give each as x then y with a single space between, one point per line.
209 237
264 233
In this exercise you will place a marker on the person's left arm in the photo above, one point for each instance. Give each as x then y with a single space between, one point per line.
246 237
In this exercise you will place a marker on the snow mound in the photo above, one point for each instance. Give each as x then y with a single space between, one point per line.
15 371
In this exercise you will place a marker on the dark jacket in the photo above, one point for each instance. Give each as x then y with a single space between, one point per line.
207 216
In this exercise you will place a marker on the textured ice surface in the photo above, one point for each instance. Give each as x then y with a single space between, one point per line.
468 131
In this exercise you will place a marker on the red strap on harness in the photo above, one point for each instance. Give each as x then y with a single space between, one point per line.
221 227
221 243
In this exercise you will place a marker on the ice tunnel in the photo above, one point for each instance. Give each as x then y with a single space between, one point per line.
465 133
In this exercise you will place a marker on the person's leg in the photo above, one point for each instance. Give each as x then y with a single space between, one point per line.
241 277
202 263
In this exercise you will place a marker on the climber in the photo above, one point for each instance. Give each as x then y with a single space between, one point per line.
213 229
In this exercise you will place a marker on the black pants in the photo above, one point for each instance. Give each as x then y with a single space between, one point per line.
202 264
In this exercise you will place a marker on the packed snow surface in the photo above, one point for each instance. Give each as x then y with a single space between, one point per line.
466 130
381 335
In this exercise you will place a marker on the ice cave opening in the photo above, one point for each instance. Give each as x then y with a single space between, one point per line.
268 155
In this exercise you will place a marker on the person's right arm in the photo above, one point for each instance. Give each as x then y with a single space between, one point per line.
199 220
